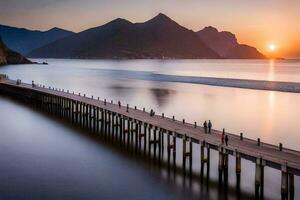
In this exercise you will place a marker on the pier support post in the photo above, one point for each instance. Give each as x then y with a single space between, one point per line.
154 142
225 167
174 151
132 132
84 114
259 178
284 182
94 119
87 116
160 145
109 127
102 122
291 186
221 162
149 139
184 154
169 147
128 133
204 159
72 112
121 133
162 141
238 169
80 114
191 157
114 126
97 120
140 136
202 144
90 118
145 138
105 124
137 136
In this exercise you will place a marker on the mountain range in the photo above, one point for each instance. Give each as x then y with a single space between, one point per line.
8 56
159 37
24 40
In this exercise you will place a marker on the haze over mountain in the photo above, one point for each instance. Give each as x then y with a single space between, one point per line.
24 40
160 37
8 56
226 44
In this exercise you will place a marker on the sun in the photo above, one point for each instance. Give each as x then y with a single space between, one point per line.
272 47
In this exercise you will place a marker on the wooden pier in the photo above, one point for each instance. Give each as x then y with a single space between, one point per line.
152 135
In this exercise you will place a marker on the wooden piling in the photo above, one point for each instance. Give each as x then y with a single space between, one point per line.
284 182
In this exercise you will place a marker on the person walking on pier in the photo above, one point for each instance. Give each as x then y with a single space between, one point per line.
209 126
223 136
205 126
226 140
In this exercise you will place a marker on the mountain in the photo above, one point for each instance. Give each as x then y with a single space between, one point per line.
226 44
160 37
8 56
219 41
24 41
243 51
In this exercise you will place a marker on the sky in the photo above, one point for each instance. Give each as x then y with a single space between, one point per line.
273 26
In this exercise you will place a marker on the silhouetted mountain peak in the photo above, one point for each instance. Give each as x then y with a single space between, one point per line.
55 29
58 30
119 21
161 19
220 34
162 16
220 42
24 40
210 29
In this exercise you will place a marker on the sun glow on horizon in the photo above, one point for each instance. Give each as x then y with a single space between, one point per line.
272 47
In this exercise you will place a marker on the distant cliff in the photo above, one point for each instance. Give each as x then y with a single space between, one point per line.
23 40
226 44
160 38
8 56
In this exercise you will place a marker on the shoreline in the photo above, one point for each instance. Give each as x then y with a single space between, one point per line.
279 86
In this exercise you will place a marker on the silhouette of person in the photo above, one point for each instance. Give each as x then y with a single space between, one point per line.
223 136
205 126
209 126
226 140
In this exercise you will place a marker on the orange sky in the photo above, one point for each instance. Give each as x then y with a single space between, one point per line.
255 22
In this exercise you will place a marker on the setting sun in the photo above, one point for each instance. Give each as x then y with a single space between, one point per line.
272 47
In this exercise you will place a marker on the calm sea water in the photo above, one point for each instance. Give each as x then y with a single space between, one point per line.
43 158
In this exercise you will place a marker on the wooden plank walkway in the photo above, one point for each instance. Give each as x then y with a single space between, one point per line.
247 147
